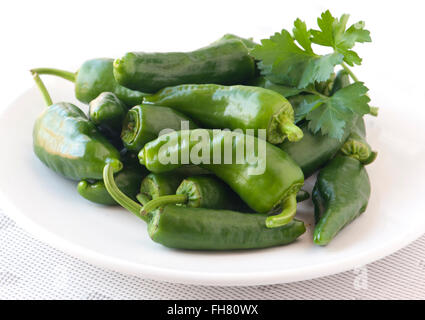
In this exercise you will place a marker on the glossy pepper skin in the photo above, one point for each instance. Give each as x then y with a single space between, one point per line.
143 123
276 186
206 229
94 77
128 180
201 191
340 195
107 112
67 142
233 107
225 62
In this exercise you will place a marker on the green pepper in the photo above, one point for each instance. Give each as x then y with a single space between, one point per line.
206 229
314 150
202 191
225 62
128 180
107 112
156 185
94 77
340 195
356 145
276 186
143 123
233 107
69 143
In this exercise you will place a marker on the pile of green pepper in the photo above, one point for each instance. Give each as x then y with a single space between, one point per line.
146 105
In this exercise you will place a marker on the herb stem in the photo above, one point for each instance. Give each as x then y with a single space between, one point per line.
352 75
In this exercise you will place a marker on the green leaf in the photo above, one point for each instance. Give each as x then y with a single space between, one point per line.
302 35
331 116
304 105
283 62
333 34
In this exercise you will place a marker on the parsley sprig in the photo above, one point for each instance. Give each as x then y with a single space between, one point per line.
288 59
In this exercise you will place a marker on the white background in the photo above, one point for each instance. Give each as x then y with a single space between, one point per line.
64 34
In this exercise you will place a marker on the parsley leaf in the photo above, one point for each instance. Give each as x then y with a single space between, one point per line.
333 34
330 114
284 62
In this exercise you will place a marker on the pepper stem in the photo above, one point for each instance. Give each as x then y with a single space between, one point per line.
56 72
42 89
118 196
162 201
143 198
288 128
287 214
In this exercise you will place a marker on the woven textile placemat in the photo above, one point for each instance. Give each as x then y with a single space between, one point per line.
30 269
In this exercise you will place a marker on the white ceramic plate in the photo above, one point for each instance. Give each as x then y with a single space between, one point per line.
49 207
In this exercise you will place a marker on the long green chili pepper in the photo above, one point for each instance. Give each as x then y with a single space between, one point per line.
94 77
68 143
143 123
225 62
277 185
356 145
203 191
206 229
340 195
234 107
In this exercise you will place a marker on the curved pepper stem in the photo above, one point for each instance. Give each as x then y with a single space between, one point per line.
143 198
288 128
42 89
162 201
70 76
287 214
118 195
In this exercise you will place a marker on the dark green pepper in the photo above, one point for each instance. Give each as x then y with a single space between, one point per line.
94 77
277 184
202 191
128 180
143 123
340 195
69 143
225 62
206 229
156 185
107 112
233 107
314 150
356 145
